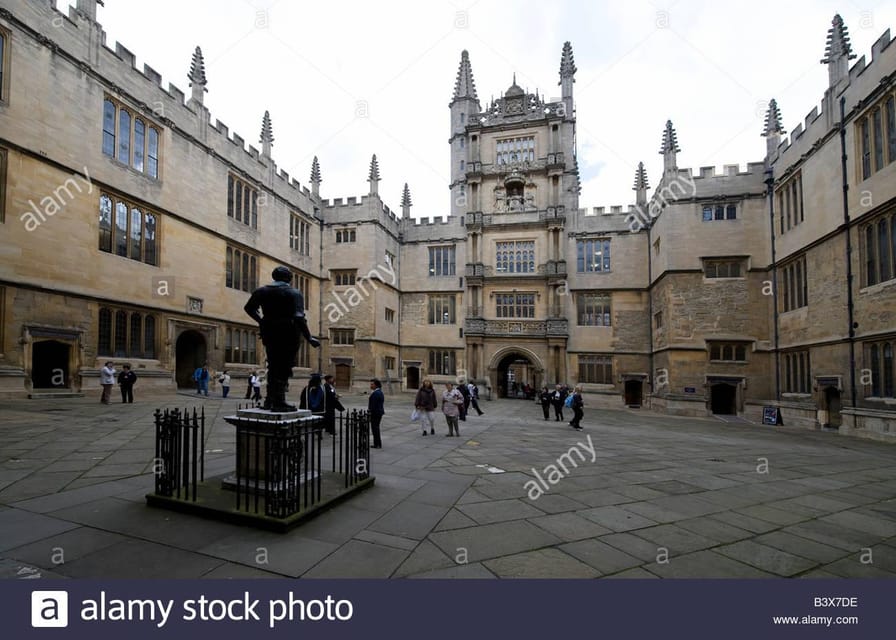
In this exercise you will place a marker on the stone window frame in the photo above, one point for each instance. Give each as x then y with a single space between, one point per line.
242 201
728 351
240 269
874 269
515 304
344 277
586 265
442 362
717 268
4 161
719 211
150 226
505 148
875 136
5 64
789 198
389 315
594 309
442 260
245 347
299 234
876 354
342 337
439 305
346 236
109 333
149 127
796 372
595 368
794 284
515 256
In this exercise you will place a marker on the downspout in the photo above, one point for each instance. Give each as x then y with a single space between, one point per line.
320 298
770 182
849 299
650 375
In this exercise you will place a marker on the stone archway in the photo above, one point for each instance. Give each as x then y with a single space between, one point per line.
513 369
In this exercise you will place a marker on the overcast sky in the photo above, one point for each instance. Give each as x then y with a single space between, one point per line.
344 80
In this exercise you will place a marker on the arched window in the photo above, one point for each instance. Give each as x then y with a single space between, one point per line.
875 371
150 255
149 337
888 370
136 234
870 259
883 250
121 229
105 223
152 165
121 334
136 337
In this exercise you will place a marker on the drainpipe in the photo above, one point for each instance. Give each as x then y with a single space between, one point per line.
849 299
770 183
650 376
320 298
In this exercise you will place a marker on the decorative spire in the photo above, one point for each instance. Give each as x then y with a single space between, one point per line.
197 77
773 124
406 202
838 44
267 132
567 63
464 86
406 196
374 176
315 177
197 69
641 183
670 140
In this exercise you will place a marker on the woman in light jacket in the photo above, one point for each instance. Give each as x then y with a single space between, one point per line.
452 401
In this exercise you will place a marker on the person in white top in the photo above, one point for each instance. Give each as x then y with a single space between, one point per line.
107 379
224 379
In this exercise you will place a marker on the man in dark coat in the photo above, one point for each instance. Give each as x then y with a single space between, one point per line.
375 406
332 405
282 326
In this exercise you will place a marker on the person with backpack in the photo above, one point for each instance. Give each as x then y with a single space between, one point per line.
465 394
314 397
558 399
576 403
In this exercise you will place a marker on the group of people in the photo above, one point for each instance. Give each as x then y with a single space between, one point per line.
455 404
561 398
126 381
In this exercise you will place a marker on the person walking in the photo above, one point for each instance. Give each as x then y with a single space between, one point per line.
331 405
452 402
461 388
545 398
107 379
196 377
425 403
202 377
224 379
557 399
314 396
256 387
577 404
126 380
375 406
474 397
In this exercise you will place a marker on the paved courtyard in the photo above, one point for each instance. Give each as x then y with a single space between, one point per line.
648 496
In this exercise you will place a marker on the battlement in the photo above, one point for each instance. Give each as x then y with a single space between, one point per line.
613 210
727 171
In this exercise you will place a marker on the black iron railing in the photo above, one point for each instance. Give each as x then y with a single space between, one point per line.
180 460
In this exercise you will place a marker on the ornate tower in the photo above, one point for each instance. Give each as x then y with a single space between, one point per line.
315 177
641 185
773 129
464 107
373 177
406 202
197 79
267 135
669 150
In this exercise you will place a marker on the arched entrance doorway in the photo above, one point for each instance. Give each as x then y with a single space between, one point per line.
50 365
413 378
516 372
189 354
832 406
723 399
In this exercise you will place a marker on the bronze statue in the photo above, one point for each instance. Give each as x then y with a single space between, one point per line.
282 326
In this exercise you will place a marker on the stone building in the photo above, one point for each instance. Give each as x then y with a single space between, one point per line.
134 226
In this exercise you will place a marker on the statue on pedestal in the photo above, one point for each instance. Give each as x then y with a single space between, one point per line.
282 325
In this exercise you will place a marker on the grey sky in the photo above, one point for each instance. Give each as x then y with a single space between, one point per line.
343 80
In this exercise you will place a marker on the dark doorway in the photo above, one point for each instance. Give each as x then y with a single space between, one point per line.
343 376
723 399
633 390
413 377
190 354
49 365
832 406
517 377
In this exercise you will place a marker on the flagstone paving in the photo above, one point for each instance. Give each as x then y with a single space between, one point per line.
634 495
